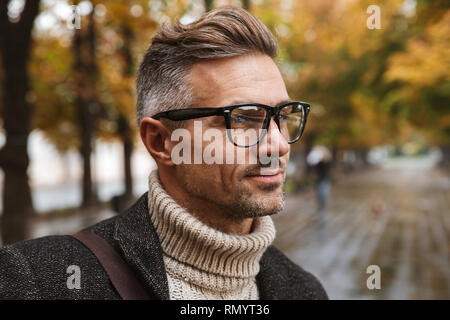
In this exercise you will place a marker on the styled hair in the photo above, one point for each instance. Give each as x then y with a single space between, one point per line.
221 33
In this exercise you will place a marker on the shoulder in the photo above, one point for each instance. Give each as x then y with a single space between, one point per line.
59 248
16 276
40 268
284 279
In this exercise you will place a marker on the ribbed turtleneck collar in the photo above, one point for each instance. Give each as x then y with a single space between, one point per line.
200 250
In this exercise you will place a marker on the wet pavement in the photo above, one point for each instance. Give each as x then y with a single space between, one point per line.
396 219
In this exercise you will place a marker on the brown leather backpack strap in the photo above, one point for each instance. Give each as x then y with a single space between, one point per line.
119 272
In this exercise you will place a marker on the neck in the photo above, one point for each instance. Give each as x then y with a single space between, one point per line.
200 259
207 212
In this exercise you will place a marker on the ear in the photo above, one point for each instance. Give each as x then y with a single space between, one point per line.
156 138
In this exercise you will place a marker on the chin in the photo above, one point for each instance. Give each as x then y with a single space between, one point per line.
271 188
258 206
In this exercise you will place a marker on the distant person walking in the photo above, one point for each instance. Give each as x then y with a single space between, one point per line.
320 159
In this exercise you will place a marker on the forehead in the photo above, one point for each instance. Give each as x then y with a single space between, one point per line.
249 78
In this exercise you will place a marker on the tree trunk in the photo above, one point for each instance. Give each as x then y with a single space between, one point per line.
15 46
127 152
246 4
86 74
123 123
85 127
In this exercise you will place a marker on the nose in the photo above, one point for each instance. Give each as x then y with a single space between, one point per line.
274 144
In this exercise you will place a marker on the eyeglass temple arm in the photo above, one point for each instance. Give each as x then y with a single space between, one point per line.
186 114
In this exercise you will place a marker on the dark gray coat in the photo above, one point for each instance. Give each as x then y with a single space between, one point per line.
37 269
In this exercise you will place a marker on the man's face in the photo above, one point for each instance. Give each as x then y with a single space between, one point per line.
238 189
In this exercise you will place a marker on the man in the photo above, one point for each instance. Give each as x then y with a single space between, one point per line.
203 230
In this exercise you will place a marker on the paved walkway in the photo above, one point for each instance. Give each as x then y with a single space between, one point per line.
396 219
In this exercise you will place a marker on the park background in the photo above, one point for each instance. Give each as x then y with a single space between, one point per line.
70 154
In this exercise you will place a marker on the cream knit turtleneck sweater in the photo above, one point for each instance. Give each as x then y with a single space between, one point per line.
201 262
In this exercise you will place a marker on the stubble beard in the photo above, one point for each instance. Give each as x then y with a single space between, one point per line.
244 203
247 204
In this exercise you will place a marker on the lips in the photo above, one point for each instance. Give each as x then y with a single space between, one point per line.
267 175
268 172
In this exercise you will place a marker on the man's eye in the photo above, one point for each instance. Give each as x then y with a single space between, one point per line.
239 119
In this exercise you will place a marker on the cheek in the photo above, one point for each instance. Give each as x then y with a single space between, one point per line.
210 150
286 156
228 175
208 178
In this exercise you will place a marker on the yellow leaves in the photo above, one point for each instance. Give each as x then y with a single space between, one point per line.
327 54
426 60
350 69
423 71
119 86
422 65
363 106
444 121
369 120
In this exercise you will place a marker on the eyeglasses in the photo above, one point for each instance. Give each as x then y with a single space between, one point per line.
247 123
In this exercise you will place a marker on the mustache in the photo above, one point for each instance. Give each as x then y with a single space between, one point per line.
255 169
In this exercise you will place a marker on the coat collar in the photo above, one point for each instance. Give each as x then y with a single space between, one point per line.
137 239
270 281
140 245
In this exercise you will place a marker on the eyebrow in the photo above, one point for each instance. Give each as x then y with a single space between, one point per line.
283 102
239 101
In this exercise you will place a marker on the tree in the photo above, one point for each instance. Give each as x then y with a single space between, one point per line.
124 126
72 70
422 83
85 71
331 58
125 27
15 43
209 5
246 4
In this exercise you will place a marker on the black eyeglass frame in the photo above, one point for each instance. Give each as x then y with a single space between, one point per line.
195 113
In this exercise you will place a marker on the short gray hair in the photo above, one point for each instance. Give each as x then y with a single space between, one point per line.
221 33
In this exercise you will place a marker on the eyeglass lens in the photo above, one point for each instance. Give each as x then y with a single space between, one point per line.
247 123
